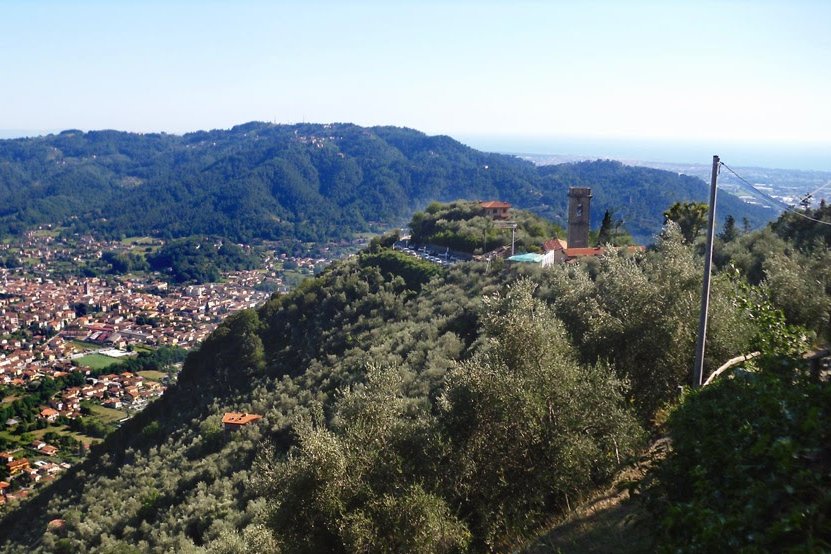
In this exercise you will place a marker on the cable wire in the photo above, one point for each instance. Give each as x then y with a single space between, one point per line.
771 198
810 194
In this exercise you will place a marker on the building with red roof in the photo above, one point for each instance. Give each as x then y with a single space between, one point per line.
233 421
496 209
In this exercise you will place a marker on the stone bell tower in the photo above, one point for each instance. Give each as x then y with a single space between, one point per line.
579 209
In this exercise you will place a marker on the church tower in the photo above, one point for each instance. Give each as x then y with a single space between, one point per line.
579 209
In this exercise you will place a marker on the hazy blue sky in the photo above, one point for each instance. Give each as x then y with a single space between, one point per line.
749 71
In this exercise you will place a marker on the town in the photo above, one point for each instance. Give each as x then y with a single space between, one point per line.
65 337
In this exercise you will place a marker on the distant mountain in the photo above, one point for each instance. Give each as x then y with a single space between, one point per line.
309 181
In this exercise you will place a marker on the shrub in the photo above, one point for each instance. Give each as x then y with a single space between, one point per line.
750 468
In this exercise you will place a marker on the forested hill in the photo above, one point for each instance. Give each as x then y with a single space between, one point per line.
409 407
306 181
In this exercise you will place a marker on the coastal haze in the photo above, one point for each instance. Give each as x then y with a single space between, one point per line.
787 172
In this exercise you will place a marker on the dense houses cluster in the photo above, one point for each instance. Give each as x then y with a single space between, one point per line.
43 467
42 313
46 250
115 314
111 391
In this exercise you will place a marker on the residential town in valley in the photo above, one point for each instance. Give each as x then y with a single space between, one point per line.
65 335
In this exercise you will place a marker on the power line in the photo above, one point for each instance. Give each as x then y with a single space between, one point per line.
775 200
754 189
810 194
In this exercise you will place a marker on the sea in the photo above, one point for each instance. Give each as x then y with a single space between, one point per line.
800 156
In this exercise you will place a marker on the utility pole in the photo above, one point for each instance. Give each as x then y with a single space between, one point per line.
512 225
698 368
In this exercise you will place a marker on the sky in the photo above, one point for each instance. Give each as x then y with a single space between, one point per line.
752 73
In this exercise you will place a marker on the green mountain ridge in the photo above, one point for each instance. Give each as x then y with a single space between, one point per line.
306 181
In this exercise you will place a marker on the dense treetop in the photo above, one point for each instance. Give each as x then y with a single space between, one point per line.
201 259
464 227
305 181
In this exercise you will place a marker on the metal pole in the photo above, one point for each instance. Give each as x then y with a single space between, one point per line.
698 368
513 238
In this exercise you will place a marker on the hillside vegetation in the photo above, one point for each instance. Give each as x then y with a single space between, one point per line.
200 259
462 410
463 226
307 182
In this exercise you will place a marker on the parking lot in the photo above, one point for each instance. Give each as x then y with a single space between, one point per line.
433 255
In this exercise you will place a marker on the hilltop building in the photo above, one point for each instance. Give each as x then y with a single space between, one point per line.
496 209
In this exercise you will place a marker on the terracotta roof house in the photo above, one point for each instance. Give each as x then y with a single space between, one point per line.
17 466
557 251
496 209
233 421
49 414
583 252
554 244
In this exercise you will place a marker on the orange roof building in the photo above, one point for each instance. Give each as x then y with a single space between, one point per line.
16 466
554 244
49 414
583 252
232 421
496 209
557 251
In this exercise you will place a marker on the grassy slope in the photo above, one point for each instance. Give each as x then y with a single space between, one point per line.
611 520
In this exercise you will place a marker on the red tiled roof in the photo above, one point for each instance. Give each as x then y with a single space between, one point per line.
596 251
18 464
554 244
236 418
494 204
579 252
